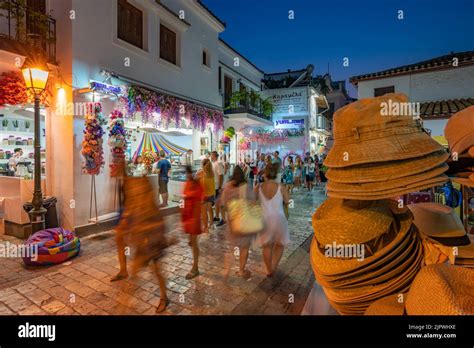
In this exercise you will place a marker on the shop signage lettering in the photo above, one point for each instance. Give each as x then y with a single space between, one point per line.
289 102
105 88
289 123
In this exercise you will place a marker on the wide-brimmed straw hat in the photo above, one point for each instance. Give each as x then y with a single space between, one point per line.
439 222
362 134
459 130
469 181
451 291
386 171
377 187
385 194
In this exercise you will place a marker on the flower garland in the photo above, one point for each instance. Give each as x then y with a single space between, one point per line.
14 91
117 143
92 143
162 110
148 160
269 137
229 133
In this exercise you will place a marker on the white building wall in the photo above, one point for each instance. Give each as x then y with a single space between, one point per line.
429 86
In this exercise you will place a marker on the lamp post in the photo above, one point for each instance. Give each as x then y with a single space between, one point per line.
36 76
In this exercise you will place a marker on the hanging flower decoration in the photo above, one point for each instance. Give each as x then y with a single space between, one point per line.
270 137
162 110
117 143
244 144
148 160
92 143
229 133
14 91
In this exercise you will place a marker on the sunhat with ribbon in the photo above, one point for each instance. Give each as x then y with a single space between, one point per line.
363 134
376 187
451 291
386 171
439 222
459 131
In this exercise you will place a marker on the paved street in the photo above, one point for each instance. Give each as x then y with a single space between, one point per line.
82 285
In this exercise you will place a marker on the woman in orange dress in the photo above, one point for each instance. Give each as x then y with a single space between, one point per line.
191 217
206 178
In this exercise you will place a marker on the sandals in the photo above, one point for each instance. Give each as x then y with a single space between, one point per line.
119 276
162 305
192 274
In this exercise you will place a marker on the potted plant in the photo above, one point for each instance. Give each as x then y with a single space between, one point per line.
15 124
267 106
27 125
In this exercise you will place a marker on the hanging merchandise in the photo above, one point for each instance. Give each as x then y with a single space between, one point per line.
92 144
14 92
117 143
229 133
148 160
270 137
162 110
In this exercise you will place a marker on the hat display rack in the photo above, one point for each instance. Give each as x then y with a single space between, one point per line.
394 250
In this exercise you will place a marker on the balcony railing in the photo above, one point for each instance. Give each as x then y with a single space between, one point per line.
27 30
245 102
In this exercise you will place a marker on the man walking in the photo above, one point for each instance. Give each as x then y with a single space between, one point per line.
163 168
218 169
277 160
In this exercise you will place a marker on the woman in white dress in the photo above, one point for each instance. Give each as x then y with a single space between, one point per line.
275 236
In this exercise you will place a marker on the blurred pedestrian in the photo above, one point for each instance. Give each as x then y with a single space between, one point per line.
237 188
163 168
144 227
206 177
298 172
218 169
275 236
191 217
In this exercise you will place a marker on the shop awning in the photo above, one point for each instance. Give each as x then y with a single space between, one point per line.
157 143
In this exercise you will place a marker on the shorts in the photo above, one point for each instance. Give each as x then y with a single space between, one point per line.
310 177
209 199
162 186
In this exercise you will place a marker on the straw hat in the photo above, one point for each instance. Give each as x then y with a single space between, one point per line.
439 222
386 171
469 182
451 291
376 187
459 130
362 134
425 184
389 305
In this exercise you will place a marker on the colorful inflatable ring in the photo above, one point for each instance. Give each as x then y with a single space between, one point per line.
51 246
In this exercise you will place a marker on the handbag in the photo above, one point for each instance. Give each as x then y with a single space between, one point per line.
246 218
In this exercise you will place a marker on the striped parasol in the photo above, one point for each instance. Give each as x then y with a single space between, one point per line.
156 143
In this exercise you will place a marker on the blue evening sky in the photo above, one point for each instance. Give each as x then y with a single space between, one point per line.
368 32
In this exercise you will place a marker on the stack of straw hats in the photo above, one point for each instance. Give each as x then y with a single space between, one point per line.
443 235
450 293
459 132
378 156
389 253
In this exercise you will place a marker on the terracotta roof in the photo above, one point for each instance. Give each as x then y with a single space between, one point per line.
439 63
444 108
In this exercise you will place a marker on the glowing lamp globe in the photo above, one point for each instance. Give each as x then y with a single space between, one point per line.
35 75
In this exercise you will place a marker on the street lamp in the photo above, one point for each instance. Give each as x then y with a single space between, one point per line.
36 75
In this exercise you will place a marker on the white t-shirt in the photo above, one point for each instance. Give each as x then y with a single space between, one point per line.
218 169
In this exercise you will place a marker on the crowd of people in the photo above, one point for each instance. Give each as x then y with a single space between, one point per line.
250 202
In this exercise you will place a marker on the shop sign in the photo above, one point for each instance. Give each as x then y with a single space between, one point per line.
289 124
105 88
289 101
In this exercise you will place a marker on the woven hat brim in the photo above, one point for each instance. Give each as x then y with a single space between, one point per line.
388 184
386 271
437 181
388 305
336 266
464 181
377 262
371 292
387 148
450 291
386 171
